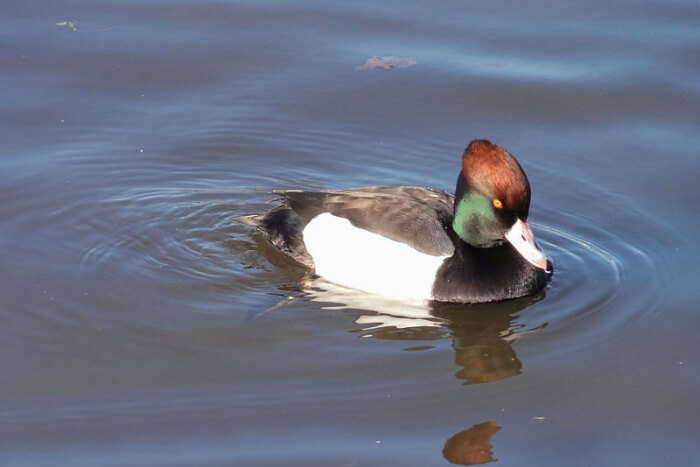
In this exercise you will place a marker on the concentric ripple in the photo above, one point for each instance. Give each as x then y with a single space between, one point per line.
609 258
602 279
182 241
183 246
181 233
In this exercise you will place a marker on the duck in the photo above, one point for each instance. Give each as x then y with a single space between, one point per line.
409 242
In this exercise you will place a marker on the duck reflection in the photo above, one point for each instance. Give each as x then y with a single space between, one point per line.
481 338
472 446
481 334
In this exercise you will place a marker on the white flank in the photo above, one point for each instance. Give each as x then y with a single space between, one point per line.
363 260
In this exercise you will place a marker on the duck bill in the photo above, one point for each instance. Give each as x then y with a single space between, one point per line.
523 240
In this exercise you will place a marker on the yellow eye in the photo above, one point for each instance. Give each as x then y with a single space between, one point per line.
497 204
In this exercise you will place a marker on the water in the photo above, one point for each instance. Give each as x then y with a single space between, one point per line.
142 326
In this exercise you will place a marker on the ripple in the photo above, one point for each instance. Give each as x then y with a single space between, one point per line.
186 231
608 253
179 250
608 272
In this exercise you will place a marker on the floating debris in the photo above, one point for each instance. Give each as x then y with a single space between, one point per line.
68 24
386 63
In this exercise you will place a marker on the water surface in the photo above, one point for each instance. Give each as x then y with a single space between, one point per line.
142 326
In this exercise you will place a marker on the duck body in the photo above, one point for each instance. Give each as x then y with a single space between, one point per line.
406 242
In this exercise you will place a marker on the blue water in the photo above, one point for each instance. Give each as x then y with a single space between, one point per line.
142 326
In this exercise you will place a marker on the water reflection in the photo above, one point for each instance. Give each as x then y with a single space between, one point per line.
481 338
472 446
481 334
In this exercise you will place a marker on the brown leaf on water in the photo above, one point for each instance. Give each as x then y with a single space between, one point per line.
386 63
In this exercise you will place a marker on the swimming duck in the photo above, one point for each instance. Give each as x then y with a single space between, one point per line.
419 243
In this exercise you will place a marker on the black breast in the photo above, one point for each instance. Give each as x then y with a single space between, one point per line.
476 275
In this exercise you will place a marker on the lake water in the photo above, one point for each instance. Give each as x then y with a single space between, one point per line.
142 326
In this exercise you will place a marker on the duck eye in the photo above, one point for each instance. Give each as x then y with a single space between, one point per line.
497 204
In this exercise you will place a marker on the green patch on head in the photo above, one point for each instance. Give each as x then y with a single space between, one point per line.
472 214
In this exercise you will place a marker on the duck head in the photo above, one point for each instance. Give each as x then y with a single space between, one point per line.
492 201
